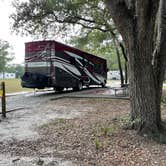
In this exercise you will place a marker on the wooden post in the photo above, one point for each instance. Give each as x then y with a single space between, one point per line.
3 100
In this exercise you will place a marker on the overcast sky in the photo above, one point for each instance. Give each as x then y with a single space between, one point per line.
16 41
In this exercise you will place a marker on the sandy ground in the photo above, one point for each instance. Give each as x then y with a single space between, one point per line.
73 131
34 110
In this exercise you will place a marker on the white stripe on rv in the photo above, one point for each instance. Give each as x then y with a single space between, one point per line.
64 66
38 64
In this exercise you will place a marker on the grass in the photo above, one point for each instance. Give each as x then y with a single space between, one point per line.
13 85
164 87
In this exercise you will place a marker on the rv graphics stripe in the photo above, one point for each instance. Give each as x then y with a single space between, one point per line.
38 64
73 55
91 76
65 66
67 69
70 69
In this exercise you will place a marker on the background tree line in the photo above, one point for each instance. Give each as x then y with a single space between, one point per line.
6 56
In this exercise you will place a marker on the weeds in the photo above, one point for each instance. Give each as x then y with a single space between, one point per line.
61 120
97 144
107 131
126 122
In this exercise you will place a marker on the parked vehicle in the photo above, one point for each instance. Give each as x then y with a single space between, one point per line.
53 64
113 75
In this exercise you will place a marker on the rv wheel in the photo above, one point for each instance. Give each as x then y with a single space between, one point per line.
79 87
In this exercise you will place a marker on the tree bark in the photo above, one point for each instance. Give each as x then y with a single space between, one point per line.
135 21
142 90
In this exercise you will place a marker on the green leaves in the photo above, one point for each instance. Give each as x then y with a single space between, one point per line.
55 17
4 54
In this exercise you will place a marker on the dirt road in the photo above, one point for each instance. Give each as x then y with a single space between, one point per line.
54 131
34 110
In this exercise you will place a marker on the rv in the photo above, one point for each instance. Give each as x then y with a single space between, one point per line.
53 64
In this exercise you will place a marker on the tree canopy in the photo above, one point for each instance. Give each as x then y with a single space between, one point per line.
5 54
15 68
54 16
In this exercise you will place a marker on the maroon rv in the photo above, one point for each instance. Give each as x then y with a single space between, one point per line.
53 64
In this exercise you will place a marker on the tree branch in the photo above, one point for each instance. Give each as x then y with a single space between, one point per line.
122 16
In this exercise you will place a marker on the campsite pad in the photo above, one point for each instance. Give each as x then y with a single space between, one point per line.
94 92
73 132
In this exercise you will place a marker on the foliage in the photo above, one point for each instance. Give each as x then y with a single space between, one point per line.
56 17
17 69
107 131
97 144
5 55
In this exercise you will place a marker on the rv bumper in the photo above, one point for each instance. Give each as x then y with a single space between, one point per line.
34 80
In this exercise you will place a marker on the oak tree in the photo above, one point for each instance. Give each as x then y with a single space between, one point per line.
137 21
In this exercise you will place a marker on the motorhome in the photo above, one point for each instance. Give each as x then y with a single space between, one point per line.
52 64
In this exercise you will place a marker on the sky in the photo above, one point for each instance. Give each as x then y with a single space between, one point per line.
16 41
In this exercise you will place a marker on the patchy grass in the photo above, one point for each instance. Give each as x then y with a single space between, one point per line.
14 85
55 122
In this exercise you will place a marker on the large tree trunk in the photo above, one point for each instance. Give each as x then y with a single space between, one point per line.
142 89
135 21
